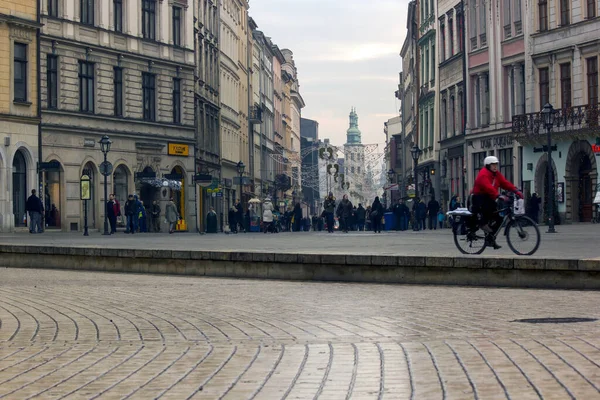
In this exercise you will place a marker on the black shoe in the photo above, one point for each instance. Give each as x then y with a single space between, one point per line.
491 241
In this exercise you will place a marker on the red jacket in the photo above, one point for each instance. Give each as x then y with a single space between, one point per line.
488 183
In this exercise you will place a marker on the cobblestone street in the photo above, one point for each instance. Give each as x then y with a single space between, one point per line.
88 335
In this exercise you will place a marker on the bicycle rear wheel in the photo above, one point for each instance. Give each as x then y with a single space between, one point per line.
523 236
468 241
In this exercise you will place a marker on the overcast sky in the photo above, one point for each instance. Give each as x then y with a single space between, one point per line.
347 54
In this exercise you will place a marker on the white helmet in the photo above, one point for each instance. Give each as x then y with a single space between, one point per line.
490 160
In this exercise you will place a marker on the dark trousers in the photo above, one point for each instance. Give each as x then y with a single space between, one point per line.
345 223
132 225
330 222
433 222
377 224
398 226
156 224
484 207
112 219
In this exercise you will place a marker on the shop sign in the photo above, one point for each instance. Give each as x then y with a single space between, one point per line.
596 149
49 166
543 149
178 149
498 141
227 182
89 143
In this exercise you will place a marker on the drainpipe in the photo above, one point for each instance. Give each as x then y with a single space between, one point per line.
39 111
464 104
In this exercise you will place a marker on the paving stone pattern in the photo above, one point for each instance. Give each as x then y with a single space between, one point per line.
124 336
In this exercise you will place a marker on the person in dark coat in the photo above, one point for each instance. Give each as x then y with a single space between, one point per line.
155 216
35 208
297 218
432 209
398 214
131 214
239 208
534 207
421 215
232 215
111 213
344 213
376 214
361 215
329 210
212 221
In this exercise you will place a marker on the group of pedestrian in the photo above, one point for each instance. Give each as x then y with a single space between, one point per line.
236 218
138 217
350 217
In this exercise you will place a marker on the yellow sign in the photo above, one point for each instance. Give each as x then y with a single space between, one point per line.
177 149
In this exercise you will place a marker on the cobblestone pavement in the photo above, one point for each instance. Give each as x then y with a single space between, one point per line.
100 335
571 242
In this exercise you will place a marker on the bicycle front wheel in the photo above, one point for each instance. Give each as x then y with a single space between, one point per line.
466 240
523 236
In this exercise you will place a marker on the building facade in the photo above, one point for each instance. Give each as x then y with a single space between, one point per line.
353 180
207 106
452 113
19 112
394 189
428 101
309 132
561 68
495 62
125 70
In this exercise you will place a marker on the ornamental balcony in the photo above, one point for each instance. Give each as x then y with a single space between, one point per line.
571 123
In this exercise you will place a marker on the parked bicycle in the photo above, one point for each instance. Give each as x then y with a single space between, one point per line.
522 233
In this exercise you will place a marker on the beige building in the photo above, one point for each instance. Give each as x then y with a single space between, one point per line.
234 92
19 117
126 70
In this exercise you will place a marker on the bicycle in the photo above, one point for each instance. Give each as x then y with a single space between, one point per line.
518 229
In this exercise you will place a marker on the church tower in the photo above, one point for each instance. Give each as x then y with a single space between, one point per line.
354 161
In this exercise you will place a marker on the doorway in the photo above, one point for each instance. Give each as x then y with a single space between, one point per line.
585 188
19 185
581 176
93 202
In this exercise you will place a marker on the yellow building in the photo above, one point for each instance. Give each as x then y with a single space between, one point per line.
19 114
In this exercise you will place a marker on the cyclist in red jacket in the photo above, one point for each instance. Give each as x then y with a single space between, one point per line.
485 193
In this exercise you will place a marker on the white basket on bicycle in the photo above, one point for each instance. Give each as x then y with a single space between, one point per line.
462 212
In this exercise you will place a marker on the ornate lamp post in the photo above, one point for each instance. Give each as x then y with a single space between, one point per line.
240 170
105 169
415 152
548 119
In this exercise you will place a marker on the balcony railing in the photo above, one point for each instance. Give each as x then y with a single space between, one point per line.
569 123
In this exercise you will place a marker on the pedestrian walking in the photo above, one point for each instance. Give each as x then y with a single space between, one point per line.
432 209
344 213
268 215
130 213
111 213
329 209
398 214
171 215
35 208
232 216
212 222
533 207
361 214
421 215
441 218
297 218
155 216
376 215
239 208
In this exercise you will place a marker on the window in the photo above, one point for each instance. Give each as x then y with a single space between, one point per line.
482 24
592 80
118 15
443 39
452 115
477 89
505 156
460 29
118 90
444 120
565 85
426 63
461 114
431 126
432 62
177 100
149 96
543 15
176 26
478 162
426 130
52 80
591 8
450 37
20 72
149 19
544 87
564 12
507 19
517 14
86 86
473 25
53 8
510 74
486 100
87 12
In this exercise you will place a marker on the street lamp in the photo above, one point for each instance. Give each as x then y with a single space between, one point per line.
548 119
240 170
105 143
415 152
